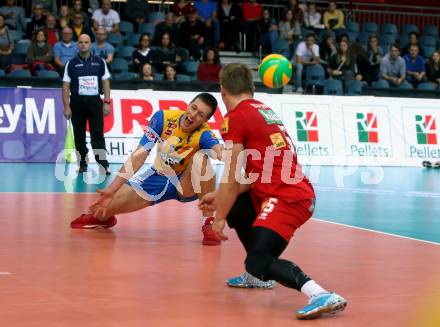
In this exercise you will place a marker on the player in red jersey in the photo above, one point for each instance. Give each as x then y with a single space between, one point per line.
276 198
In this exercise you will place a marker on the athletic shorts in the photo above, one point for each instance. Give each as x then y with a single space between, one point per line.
158 188
281 216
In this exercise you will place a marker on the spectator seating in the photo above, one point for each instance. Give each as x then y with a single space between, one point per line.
333 87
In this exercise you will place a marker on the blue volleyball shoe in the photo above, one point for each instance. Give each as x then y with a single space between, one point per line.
246 280
330 303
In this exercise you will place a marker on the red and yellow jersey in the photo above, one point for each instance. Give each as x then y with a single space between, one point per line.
272 155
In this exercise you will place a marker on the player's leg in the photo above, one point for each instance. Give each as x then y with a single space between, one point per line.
125 200
272 230
197 180
241 217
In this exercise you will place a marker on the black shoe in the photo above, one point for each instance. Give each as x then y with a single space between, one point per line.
82 169
106 170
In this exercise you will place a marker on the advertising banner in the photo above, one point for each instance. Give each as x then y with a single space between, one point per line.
32 126
326 130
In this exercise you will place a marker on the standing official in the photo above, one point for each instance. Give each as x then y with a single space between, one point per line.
86 77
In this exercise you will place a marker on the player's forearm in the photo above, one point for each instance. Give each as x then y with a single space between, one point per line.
244 188
226 195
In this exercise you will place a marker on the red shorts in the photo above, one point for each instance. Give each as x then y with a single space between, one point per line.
281 216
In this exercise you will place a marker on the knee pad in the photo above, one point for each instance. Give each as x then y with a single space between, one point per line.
258 265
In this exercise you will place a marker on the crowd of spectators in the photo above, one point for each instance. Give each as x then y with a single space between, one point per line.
195 32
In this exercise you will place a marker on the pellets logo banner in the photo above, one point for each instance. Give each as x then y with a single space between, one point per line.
307 126
426 129
367 127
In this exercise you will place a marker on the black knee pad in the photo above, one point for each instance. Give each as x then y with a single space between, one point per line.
242 213
258 265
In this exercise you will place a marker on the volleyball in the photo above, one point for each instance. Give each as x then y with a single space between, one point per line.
275 71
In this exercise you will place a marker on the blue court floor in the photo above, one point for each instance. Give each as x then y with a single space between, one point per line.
395 200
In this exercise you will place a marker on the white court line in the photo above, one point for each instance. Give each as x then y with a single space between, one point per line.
5 273
376 231
377 191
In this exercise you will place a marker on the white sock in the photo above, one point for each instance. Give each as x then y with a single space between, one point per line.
204 219
311 288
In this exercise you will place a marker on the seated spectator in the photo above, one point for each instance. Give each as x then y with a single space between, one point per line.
64 19
79 28
146 73
136 11
207 10
37 22
169 73
333 17
210 67
15 16
297 9
39 54
393 67
374 56
6 44
181 9
51 30
252 13
290 29
433 69
413 40
192 34
312 18
101 48
48 6
268 27
415 66
64 50
166 54
342 65
307 53
78 9
144 54
229 16
106 18
327 49
168 26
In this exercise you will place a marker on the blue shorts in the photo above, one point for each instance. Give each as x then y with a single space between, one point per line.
158 188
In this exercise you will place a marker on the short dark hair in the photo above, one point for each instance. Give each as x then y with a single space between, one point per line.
237 79
209 100
310 34
414 33
395 45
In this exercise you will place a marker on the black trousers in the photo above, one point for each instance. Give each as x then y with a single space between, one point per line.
89 109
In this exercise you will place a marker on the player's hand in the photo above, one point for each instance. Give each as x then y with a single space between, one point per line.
218 226
207 202
99 207
106 109
67 112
